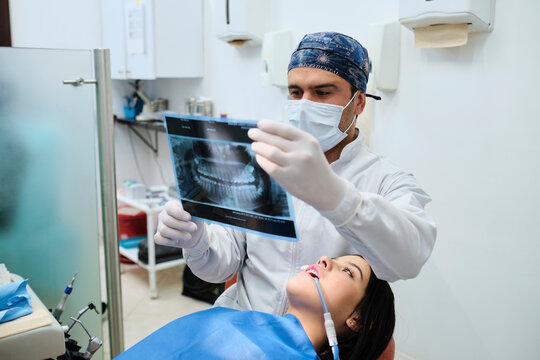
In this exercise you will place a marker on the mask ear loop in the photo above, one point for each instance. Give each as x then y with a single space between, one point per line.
354 117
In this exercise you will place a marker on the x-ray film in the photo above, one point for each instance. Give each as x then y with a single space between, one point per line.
219 180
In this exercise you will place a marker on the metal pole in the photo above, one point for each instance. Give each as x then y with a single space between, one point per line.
108 199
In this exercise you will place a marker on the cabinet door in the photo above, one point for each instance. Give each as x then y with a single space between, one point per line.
154 38
128 33
49 206
113 36
139 39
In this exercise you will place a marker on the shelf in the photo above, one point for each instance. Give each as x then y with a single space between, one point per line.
154 125
151 207
133 255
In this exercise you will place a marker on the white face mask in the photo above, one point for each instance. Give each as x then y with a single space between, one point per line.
320 120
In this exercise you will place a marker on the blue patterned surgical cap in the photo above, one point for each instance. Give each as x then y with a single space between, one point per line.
331 51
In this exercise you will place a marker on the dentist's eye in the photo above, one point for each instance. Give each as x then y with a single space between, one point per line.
323 95
295 94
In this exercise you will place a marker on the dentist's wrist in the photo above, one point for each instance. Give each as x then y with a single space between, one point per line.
332 195
201 245
347 208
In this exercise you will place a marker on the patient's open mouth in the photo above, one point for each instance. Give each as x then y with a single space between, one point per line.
312 271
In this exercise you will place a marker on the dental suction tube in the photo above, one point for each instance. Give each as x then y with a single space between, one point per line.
328 322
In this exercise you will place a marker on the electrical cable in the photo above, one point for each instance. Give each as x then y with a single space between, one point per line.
136 158
155 157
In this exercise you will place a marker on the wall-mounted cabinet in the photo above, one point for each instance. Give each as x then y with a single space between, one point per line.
152 39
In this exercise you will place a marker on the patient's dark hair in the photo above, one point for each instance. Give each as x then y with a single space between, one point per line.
376 318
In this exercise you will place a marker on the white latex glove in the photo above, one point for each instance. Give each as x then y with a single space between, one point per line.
295 159
176 227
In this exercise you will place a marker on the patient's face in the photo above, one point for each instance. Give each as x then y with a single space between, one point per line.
343 282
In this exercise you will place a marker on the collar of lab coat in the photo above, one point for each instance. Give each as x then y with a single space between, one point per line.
350 150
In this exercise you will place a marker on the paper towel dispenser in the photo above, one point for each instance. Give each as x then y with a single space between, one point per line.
478 14
241 22
384 51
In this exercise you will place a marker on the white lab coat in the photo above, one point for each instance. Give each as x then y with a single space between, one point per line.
382 217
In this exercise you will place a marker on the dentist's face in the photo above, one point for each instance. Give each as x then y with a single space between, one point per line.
343 282
325 87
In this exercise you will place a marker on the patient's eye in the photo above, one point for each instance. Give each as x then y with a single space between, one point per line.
348 271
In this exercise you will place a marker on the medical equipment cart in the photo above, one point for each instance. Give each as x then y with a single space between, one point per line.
151 207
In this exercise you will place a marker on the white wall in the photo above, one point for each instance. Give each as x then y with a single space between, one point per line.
465 122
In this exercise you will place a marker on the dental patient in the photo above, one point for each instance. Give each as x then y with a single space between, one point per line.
342 290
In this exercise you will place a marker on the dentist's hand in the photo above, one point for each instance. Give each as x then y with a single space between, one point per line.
295 159
176 227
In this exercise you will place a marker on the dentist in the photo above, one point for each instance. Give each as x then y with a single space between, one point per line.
346 198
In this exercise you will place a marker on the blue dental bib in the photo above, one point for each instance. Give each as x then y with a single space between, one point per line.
221 333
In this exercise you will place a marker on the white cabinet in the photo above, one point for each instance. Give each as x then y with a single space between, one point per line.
152 39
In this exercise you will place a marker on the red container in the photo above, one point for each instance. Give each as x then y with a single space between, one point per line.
131 222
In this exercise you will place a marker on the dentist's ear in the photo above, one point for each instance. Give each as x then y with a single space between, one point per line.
361 104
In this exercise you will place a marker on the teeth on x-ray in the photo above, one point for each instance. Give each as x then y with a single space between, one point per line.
229 182
226 174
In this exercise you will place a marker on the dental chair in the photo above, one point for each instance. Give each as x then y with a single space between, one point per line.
389 352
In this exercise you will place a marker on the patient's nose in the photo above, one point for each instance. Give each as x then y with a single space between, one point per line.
325 263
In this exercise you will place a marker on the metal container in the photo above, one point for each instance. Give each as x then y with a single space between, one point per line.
190 105
200 106
204 107
208 109
160 105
